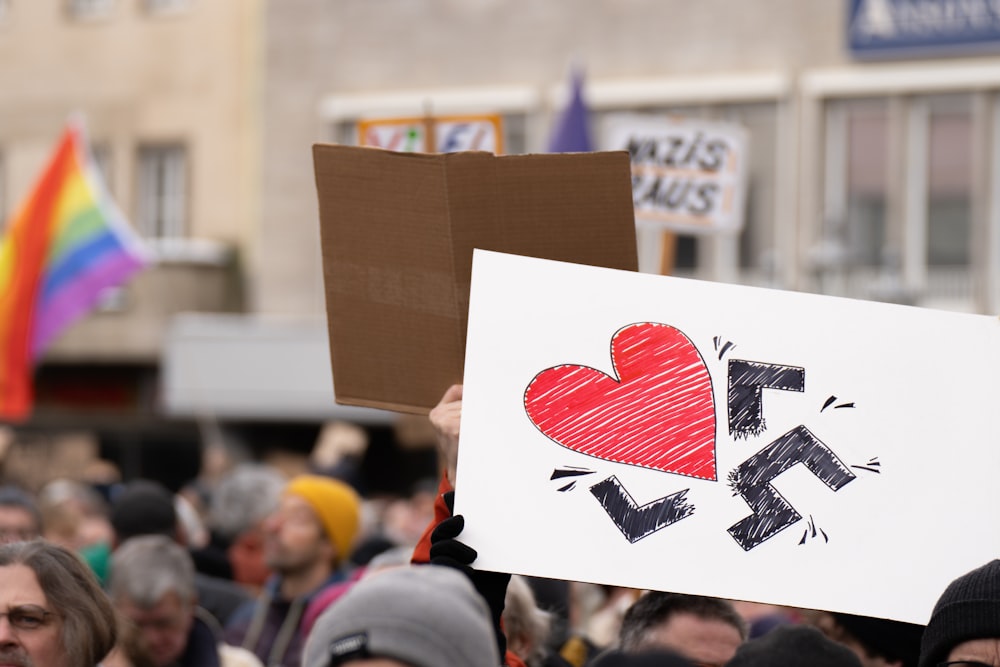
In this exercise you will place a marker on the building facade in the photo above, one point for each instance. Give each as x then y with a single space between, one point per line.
874 151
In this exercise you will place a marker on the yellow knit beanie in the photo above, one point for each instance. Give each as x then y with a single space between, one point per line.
336 504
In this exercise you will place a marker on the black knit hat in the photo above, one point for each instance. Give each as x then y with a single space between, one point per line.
793 646
144 507
968 609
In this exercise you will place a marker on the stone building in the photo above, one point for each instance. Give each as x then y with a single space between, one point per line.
873 159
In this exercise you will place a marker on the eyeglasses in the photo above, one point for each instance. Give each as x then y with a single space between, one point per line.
27 617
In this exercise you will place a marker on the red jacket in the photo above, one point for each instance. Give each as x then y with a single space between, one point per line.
422 552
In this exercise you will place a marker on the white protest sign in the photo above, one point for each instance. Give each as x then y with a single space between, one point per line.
653 432
688 175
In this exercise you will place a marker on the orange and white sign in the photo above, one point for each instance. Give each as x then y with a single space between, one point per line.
438 134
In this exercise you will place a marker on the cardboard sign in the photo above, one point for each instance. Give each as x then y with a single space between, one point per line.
398 230
654 432
450 134
688 175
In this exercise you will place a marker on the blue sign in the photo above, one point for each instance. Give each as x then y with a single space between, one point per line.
922 27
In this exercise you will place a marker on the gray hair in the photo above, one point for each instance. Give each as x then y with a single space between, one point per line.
525 623
145 568
655 608
90 627
244 497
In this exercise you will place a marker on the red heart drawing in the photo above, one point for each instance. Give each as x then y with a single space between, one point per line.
659 413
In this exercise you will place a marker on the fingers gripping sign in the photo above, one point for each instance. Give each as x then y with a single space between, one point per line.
446 419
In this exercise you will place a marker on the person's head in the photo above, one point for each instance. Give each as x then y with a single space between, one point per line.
965 623
20 518
238 507
526 625
877 642
702 629
651 658
73 514
152 584
415 616
54 612
793 646
313 527
143 507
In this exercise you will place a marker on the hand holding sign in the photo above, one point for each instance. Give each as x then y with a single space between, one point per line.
446 418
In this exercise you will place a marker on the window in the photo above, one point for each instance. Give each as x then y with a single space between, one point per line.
90 9
857 252
166 6
949 201
949 179
4 11
162 195
102 158
898 215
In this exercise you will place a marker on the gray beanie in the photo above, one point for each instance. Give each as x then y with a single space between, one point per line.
968 609
423 615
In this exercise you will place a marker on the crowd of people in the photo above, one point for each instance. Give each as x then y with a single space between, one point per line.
304 571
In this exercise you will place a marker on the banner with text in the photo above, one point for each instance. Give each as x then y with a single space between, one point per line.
688 175
438 134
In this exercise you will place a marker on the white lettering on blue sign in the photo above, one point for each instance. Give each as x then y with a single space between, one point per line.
920 26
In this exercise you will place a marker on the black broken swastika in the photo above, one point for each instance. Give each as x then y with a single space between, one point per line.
637 522
752 480
747 379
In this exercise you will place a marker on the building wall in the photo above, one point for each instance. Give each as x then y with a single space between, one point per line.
780 67
249 86
318 48
188 75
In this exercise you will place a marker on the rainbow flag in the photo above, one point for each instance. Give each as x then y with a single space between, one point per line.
64 246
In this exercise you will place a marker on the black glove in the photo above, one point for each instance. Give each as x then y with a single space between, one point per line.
449 552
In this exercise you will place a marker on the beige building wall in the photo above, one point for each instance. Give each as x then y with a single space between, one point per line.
318 48
188 75
780 67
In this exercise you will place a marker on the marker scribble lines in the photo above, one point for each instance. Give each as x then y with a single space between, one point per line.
873 465
830 401
810 532
570 471
772 513
723 348
657 411
747 379
637 522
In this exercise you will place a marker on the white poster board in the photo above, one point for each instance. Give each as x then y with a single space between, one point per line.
761 445
688 175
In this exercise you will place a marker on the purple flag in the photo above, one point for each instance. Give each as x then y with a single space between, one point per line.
572 133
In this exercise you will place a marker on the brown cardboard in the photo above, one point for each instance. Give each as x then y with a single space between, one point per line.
398 231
